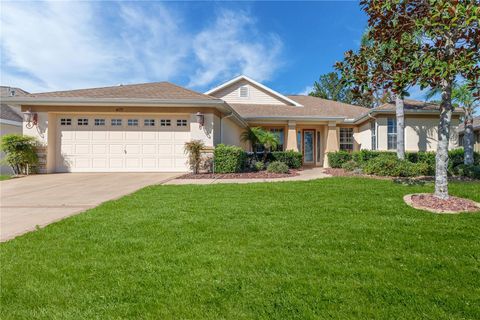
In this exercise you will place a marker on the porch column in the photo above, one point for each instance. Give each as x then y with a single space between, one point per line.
51 143
332 142
292 136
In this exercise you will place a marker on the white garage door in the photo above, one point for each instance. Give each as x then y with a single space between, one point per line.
122 144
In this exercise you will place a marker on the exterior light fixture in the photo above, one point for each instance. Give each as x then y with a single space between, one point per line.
200 119
30 118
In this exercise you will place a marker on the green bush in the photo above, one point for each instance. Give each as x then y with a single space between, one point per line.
277 167
470 171
338 158
20 153
391 166
363 156
259 166
292 159
350 165
229 159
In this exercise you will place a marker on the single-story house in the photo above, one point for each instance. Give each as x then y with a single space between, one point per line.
10 120
143 127
476 133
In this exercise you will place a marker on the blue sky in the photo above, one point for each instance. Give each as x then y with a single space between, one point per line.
65 45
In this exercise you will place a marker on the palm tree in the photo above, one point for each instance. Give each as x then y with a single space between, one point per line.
270 141
462 96
251 135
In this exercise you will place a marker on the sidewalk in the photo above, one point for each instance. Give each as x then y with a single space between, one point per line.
304 175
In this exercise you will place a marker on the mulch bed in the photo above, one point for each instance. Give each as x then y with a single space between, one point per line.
429 202
240 175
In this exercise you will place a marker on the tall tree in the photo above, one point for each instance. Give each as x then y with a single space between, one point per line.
448 34
330 86
380 65
463 97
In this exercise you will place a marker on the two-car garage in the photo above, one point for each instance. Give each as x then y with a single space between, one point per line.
106 143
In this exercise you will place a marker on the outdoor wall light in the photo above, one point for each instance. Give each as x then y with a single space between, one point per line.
200 119
31 118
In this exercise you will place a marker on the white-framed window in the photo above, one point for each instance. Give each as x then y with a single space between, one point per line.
65 122
181 123
391 133
165 122
281 137
243 92
149 122
82 121
373 129
99 122
346 139
132 122
116 122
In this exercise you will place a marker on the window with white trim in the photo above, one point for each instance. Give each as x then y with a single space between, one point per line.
65 122
181 123
149 122
391 133
373 129
132 122
82 122
99 122
116 122
165 122
346 139
281 138
243 92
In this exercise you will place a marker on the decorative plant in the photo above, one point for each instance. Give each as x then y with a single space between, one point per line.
251 135
270 141
194 150
20 152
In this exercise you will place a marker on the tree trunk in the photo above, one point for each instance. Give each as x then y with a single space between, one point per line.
441 159
468 139
400 113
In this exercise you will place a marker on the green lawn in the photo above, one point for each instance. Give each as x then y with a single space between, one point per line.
4 177
334 248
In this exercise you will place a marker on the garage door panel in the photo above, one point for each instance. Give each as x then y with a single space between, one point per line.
104 148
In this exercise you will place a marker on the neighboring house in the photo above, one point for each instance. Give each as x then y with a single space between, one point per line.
10 119
143 127
476 133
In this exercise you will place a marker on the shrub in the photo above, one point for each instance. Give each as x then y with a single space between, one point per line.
229 159
194 150
259 166
363 156
336 159
391 166
470 171
277 167
350 165
20 152
291 158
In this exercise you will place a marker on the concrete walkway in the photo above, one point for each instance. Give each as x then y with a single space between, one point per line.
306 174
42 199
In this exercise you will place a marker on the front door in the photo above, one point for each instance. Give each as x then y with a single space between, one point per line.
308 146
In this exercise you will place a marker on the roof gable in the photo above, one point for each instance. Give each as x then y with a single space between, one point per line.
256 93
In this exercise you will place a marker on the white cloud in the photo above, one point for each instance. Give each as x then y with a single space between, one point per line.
65 45
306 90
233 45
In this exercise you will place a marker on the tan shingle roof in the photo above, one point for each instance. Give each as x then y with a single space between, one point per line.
476 125
5 91
312 107
6 113
154 90
412 105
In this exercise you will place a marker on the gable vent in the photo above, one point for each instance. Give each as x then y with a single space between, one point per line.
244 92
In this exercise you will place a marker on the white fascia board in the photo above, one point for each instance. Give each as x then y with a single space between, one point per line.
293 118
11 122
258 84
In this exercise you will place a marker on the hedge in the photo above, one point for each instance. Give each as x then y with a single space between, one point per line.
291 158
277 167
228 159
393 167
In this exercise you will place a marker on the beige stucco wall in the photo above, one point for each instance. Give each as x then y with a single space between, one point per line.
420 133
231 132
231 94
363 137
7 129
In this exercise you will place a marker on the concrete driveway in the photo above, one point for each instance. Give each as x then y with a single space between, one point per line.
42 199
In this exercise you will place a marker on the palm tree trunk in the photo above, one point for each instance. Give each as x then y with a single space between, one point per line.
468 140
441 159
400 114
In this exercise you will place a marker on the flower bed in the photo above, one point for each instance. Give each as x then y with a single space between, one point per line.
429 202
